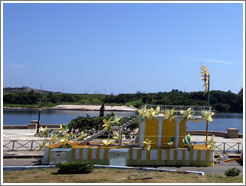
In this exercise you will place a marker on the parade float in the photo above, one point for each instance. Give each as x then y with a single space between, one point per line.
162 139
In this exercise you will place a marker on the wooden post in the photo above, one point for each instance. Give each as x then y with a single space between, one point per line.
208 110
38 120
206 133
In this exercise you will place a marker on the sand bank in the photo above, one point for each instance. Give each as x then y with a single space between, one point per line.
93 108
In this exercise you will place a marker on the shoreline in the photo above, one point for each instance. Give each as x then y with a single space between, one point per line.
122 108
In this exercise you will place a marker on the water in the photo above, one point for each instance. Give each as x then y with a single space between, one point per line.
24 116
221 122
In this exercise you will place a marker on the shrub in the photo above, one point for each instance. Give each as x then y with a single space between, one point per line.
88 122
75 167
232 172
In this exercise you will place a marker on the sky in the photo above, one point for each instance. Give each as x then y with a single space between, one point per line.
114 48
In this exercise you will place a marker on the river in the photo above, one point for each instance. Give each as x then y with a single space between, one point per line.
221 122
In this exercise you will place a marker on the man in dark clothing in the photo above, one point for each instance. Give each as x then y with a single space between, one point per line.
102 110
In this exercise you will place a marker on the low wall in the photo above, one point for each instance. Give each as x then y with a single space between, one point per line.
30 126
15 127
216 133
133 156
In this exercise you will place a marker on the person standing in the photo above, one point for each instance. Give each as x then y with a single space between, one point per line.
102 110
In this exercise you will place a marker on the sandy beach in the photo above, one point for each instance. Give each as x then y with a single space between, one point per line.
93 108
123 108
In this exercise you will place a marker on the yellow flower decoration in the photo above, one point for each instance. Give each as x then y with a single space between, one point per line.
187 114
148 113
116 137
211 143
117 120
169 114
53 140
148 143
207 115
44 131
82 136
142 111
107 142
157 110
65 138
42 145
107 123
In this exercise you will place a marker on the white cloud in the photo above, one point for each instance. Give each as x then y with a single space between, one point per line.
218 61
18 66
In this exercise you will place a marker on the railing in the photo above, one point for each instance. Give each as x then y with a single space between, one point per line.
235 147
23 145
32 145
177 108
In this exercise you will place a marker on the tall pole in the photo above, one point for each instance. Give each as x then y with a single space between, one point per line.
38 120
208 91
39 110
207 109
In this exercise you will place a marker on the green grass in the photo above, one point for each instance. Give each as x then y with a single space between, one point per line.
47 105
136 103
104 175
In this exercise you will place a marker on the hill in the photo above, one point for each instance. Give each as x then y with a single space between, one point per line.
9 90
219 100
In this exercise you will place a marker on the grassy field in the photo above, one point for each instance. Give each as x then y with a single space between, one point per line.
104 175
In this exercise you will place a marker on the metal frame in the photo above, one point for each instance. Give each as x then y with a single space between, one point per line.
23 145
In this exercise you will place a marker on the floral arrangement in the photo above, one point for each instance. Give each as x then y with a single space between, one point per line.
63 137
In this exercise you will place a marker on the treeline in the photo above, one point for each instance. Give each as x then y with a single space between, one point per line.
219 100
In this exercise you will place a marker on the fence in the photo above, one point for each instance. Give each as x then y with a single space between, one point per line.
22 145
196 109
32 145
234 147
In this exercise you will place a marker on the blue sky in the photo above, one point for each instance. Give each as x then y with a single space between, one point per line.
122 48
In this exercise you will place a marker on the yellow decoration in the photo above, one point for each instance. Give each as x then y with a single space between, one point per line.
205 75
43 129
82 136
142 111
148 143
107 142
53 140
211 142
43 132
158 110
107 123
117 120
148 113
187 114
116 137
169 114
60 129
153 112
42 145
207 115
